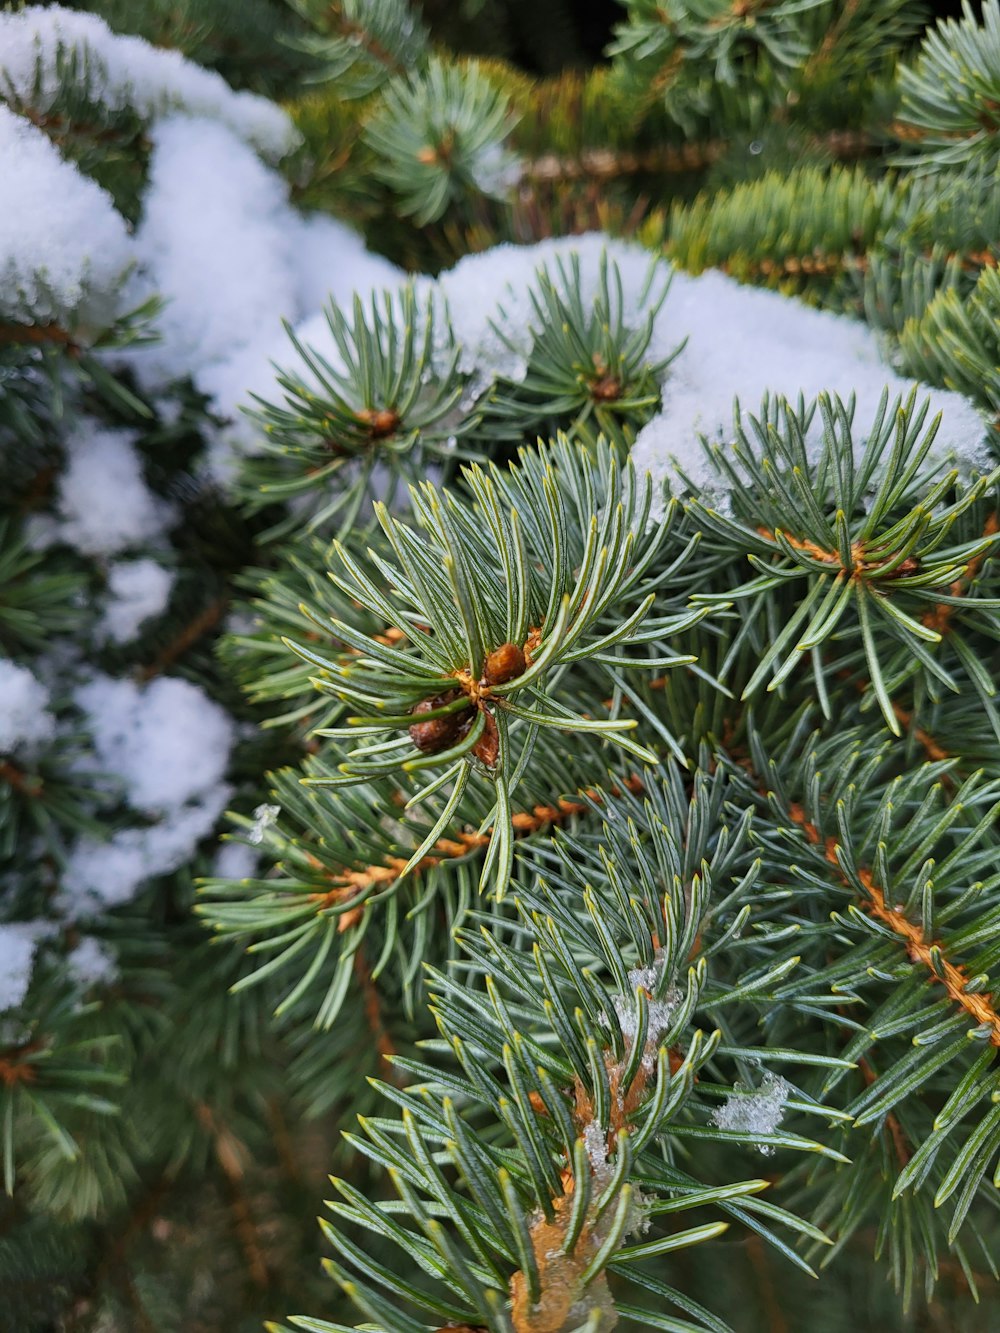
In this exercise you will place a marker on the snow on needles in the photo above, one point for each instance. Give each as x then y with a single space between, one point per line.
24 716
17 953
63 247
103 501
168 745
167 741
754 1111
128 71
233 259
741 342
211 241
139 589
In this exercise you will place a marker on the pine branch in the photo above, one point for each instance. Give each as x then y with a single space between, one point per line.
920 949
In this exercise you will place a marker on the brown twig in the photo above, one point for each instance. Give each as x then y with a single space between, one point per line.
16 1067
200 624
939 617
350 883
22 783
373 1007
229 1153
757 1254
920 950
934 750
39 335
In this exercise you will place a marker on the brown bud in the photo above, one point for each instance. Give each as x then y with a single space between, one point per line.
487 748
380 421
503 664
439 733
909 566
606 390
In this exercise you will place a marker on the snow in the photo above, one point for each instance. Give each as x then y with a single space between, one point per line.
754 1111
168 744
103 501
17 953
263 817
138 590
212 242
744 342
741 342
493 289
330 262
63 248
235 860
128 71
595 1140
24 716
111 872
92 962
220 241
660 1011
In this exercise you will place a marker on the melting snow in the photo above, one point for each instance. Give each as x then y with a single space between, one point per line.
754 1111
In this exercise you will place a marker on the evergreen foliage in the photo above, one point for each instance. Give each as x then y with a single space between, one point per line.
603 846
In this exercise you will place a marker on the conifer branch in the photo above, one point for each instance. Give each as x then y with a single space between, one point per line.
919 949
186 637
456 845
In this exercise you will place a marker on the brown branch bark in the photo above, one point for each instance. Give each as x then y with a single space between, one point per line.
947 974
190 634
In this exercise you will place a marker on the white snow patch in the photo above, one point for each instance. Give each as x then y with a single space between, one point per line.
17 955
754 1111
595 1140
660 1011
235 860
103 500
168 742
139 589
24 716
494 288
110 872
330 262
220 241
170 745
64 249
212 242
743 342
127 71
92 962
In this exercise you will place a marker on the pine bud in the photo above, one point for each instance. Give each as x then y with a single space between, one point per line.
439 733
503 664
487 748
380 421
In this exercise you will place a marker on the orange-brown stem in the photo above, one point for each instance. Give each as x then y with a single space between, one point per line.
40 335
350 883
230 1153
939 617
16 1067
947 974
189 635
899 1143
373 1007
22 782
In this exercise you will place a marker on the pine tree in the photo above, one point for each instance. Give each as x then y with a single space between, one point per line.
611 766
